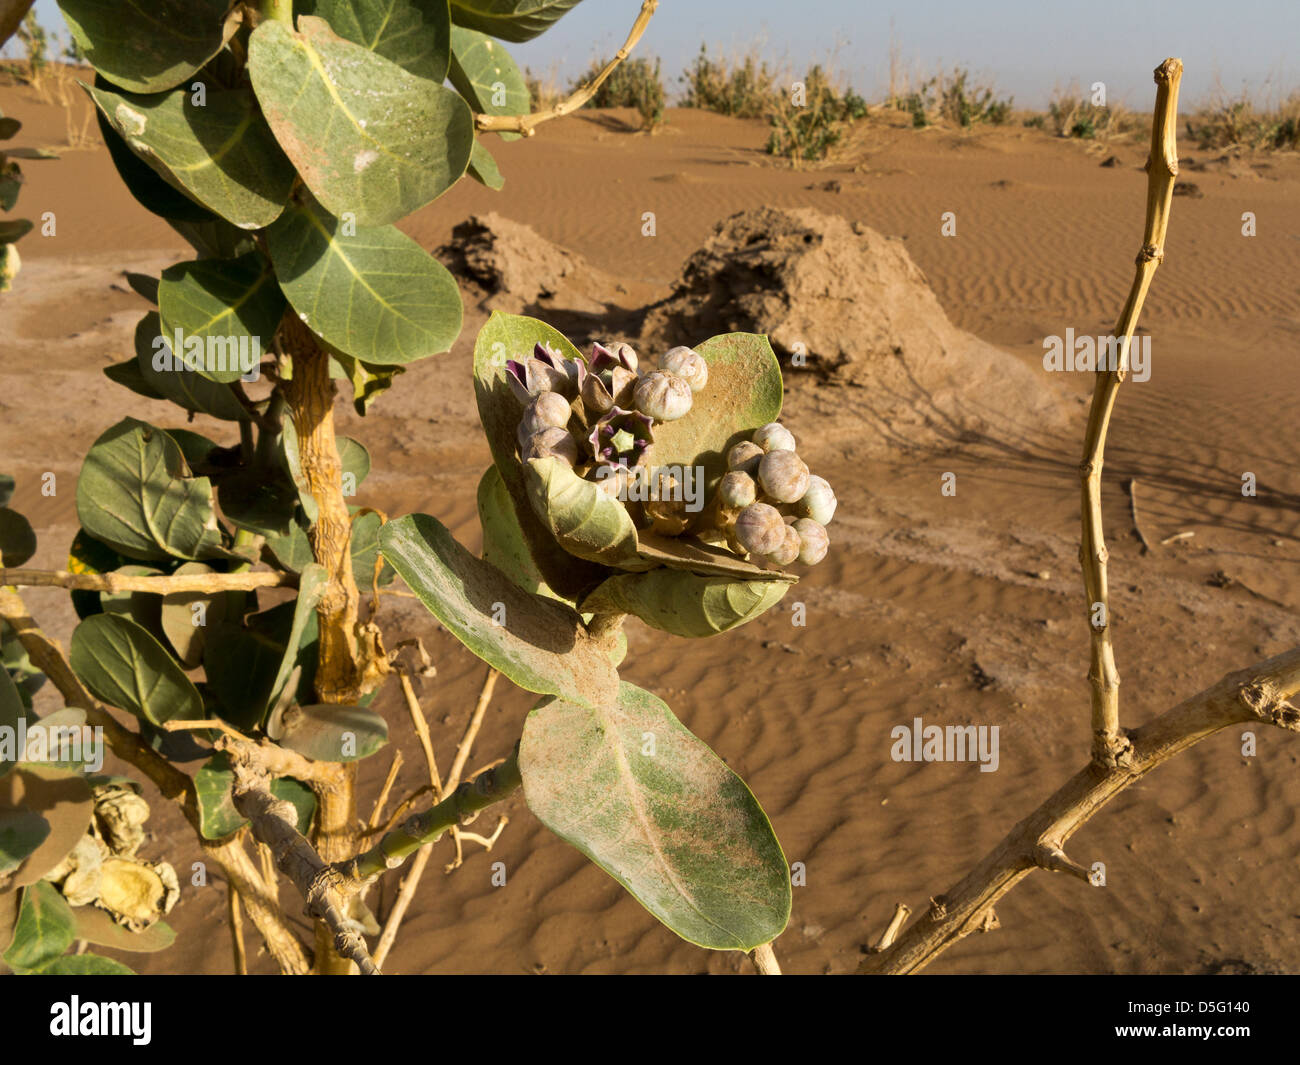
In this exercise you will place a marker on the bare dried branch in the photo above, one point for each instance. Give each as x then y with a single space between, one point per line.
115 583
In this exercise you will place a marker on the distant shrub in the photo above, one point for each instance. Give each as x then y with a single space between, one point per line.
1036 122
35 41
543 94
634 83
1077 116
955 99
743 88
809 120
1228 123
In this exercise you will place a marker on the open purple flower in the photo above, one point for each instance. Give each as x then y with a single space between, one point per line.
545 371
621 438
609 378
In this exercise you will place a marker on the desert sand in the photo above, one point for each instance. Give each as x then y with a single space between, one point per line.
956 609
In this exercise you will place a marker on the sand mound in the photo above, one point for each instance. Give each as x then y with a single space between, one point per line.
516 270
845 305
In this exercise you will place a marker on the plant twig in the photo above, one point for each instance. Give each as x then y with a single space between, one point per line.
527 124
1132 485
1109 746
764 959
236 920
1259 695
121 582
398 844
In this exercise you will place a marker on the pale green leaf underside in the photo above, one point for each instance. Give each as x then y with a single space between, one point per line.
376 295
585 521
540 644
683 603
676 827
484 74
414 34
221 153
510 20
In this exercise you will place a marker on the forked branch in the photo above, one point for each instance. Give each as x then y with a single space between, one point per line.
1261 694
1109 746
527 124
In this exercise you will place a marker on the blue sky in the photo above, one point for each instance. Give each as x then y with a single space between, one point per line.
1026 47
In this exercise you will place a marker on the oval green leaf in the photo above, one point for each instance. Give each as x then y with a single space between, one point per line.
375 294
414 34
368 138
329 732
483 72
677 828
121 663
584 520
44 929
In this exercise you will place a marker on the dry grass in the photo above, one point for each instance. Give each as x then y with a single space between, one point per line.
1224 121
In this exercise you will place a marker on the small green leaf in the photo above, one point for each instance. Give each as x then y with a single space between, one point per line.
368 382
375 295
483 72
330 732
683 603
367 137
147 47
221 153
225 310
21 832
17 540
365 551
483 168
585 521
82 965
743 394
44 929
510 20
652 805
159 373
538 643
414 34
134 495
311 586
218 818
354 458
181 622
121 663
95 926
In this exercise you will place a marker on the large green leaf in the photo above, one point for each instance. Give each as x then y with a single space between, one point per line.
538 643
743 394
63 798
147 45
135 496
684 603
11 712
96 926
510 20
483 72
82 965
186 388
368 138
143 182
647 801
585 521
414 34
376 294
232 306
44 929
221 153
503 540
502 338
121 663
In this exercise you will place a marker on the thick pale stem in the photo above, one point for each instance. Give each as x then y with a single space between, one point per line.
114 583
1109 745
1261 694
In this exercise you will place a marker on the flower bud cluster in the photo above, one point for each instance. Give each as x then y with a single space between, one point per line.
769 505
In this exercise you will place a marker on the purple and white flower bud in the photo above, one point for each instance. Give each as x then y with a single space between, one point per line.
789 550
813 541
774 437
687 364
606 358
783 476
664 397
818 502
549 410
759 529
745 457
552 443
606 388
737 489
546 371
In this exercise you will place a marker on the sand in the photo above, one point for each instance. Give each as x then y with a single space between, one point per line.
956 609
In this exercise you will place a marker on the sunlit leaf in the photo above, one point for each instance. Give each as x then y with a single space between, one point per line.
121 663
